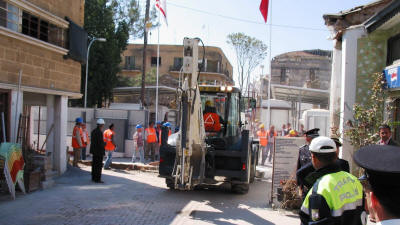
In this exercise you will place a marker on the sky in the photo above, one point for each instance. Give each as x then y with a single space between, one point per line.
211 20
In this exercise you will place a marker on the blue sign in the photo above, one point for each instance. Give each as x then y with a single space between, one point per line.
392 75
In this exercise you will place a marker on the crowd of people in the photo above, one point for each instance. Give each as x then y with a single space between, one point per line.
146 144
330 193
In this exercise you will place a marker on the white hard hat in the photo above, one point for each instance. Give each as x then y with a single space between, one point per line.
322 144
100 121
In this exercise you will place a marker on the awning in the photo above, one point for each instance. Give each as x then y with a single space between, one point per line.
300 94
384 19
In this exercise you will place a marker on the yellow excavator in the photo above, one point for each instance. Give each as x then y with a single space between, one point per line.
197 155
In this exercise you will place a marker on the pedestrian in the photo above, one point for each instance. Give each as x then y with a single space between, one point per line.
168 126
306 175
301 131
86 140
385 134
151 142
158 135
288 128
292 133
337 196
305 157
304 153
77 140
271 134
97 150
138 144
283 131
381 181
266 139
110 145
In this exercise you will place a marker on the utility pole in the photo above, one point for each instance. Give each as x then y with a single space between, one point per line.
146 20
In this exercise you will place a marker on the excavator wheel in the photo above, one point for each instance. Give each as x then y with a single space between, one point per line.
240 188
170 183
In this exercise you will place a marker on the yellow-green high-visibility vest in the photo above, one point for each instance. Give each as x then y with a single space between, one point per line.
341 191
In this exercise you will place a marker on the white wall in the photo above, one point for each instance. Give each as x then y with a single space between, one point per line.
348 83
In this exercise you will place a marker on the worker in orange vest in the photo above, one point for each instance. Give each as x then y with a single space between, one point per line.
212 121
85 136
267 139
167 124
77 140
110 147
151 141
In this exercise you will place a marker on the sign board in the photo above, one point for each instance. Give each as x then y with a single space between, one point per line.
392 74
286 152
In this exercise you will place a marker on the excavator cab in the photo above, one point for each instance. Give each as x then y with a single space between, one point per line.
223 107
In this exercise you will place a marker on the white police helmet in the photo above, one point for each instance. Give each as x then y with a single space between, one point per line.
322 144
100 121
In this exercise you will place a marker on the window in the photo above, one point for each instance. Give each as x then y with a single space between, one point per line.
9 15
24 22
129 62
233 127
178 62
283 74
393 49
312 74
154 61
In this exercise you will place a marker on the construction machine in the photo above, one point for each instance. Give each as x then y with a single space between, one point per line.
196 156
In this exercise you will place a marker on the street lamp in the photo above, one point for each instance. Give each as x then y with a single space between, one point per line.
87 63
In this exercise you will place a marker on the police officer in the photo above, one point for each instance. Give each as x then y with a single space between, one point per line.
305 158
306 175
381 181
304 153
337 196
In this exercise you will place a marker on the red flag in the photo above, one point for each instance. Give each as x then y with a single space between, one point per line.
162 6
264 9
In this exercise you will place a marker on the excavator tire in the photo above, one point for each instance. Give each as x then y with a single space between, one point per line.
170 183
240 188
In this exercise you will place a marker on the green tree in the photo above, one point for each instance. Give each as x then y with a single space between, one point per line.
105 57
132 13
250 52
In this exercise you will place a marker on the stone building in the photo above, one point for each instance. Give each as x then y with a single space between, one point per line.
301 78
308 68
217 71
42 45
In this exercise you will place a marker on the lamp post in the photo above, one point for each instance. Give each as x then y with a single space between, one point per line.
87 64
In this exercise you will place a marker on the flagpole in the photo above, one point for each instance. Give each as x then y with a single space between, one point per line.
270 64
158 62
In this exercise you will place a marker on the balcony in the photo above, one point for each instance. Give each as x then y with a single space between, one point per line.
132 67
177 68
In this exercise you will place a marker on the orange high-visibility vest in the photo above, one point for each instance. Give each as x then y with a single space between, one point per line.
108 140
75 142
211 122
262 135
159 136
151 135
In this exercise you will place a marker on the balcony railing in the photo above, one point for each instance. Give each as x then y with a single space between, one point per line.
210 70
132 67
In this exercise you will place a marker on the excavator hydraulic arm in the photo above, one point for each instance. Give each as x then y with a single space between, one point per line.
191 148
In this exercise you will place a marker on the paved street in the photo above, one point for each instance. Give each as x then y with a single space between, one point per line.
134 197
